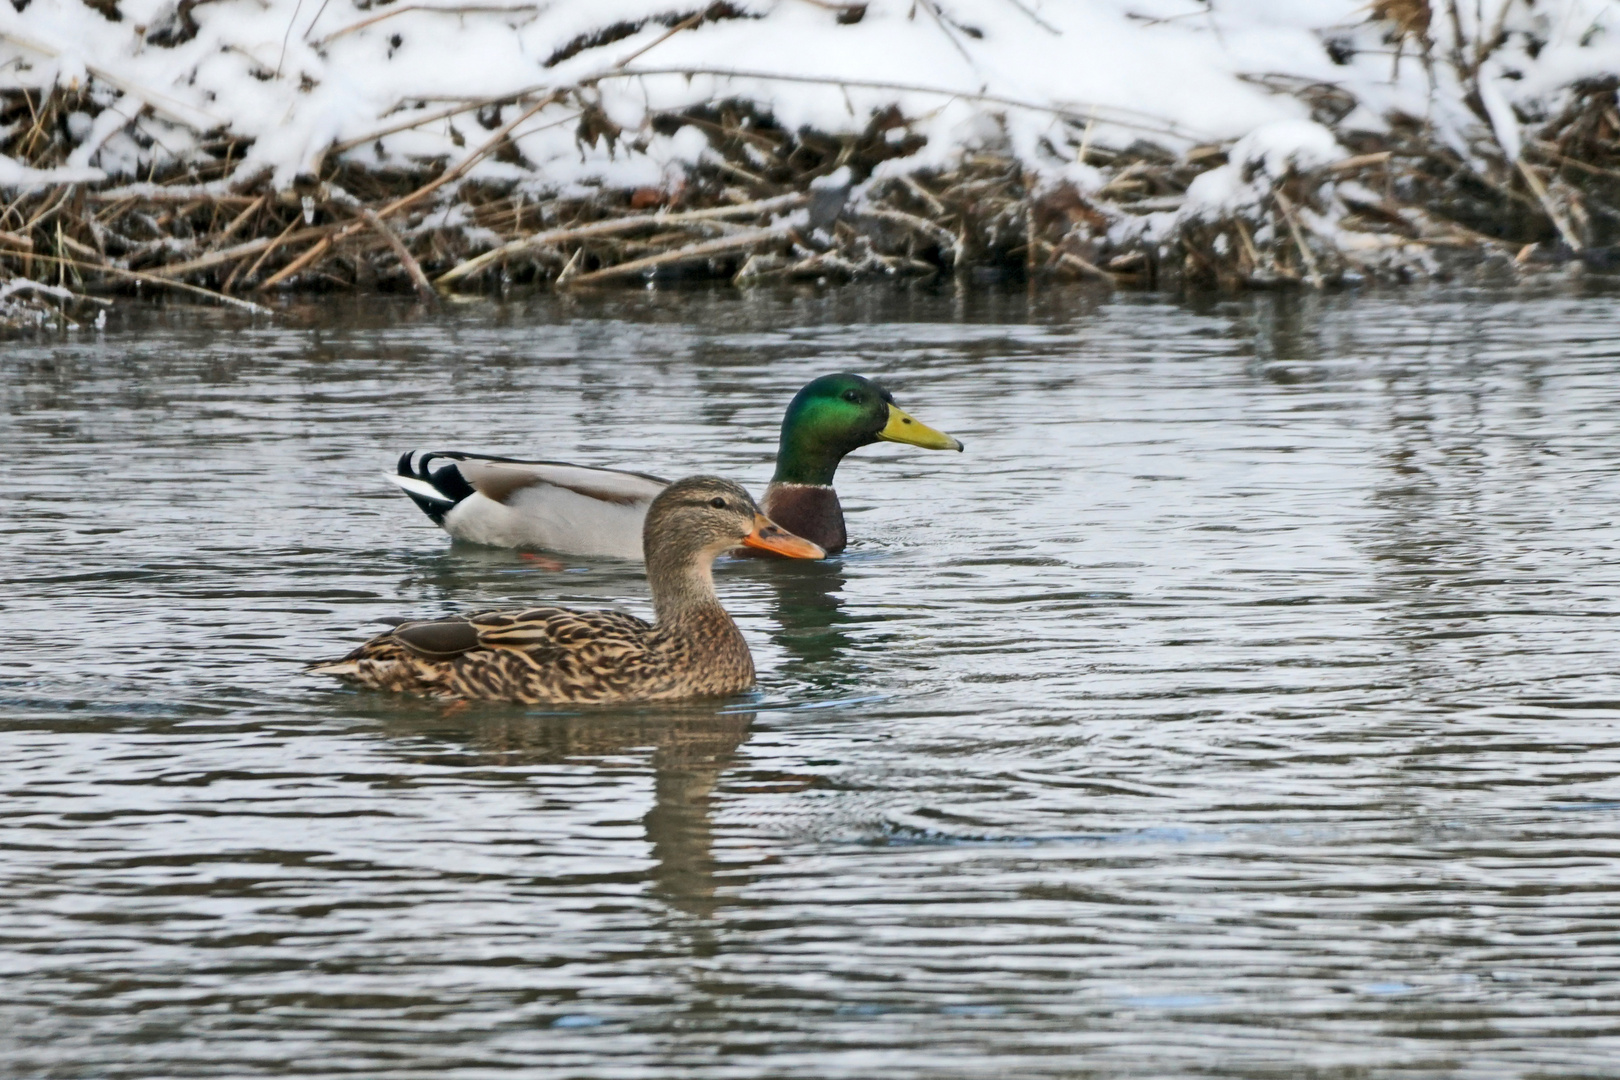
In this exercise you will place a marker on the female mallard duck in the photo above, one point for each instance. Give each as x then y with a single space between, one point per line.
557 655
581 510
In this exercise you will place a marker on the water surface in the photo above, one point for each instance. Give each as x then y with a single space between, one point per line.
1243 702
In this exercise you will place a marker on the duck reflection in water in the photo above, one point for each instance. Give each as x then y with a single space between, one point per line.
688 762
815 624
688 749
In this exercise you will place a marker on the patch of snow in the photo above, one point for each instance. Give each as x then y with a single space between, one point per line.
298 82
1503 122
14 174
1291 144
1256 162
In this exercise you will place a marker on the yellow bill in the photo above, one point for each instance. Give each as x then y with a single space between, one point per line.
902 428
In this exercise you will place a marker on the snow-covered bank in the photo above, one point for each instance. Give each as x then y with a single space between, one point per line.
237 143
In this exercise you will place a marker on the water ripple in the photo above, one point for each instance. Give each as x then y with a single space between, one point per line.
1242 703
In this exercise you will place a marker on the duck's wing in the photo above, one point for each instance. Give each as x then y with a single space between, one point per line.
514 502
530 654
589 637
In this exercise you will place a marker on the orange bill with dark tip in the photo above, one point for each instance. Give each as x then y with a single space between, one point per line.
769 536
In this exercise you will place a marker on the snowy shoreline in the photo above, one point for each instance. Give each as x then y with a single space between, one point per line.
234 146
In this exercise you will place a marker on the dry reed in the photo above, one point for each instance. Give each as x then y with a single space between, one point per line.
1402 204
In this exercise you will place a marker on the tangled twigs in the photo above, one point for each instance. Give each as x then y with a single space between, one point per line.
326 243
472 159
28 304
765 202
225 255
617 225
152 279
315 251
1313 271
724 246
424 288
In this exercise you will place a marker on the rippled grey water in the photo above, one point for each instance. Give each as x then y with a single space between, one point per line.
1243 702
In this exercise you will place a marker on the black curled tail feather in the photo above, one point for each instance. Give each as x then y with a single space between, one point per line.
446 480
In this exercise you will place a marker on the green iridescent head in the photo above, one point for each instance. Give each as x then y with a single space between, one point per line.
836 414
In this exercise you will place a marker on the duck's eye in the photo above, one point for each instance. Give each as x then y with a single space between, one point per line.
718 503
852 395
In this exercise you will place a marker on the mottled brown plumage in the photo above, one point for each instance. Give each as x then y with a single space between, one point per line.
552 655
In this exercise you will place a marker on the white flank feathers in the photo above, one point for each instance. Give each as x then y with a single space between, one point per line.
569 509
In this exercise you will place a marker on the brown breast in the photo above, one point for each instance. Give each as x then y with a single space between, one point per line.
810 510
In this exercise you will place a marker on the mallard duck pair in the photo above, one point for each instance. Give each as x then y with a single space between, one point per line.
694 649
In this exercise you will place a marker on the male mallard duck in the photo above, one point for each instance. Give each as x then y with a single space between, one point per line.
581 510
557 655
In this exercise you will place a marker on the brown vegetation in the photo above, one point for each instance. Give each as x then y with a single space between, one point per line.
1401 204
